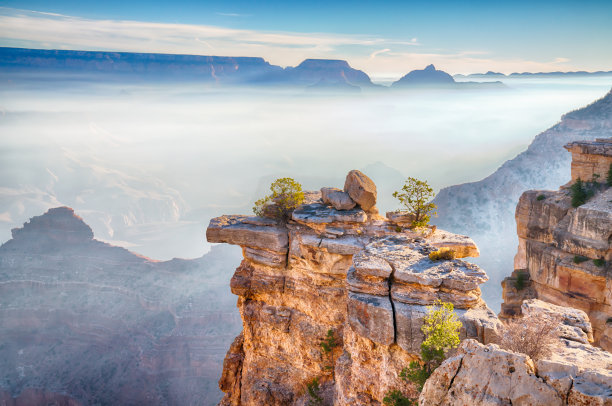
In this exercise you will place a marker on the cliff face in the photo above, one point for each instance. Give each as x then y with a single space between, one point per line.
362 276
485 210
83 322
566 252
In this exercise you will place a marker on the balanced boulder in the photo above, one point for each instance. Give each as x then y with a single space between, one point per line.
361 189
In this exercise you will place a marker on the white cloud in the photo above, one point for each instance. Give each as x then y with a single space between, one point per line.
376 55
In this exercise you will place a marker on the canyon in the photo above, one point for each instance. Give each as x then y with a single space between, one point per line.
83 322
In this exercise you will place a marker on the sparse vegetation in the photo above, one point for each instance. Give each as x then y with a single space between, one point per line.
533 336
397 398
609 178
416 196
442 253
313 389
441 328
578 259
599 262
286 195
398 229
541 197
521 280
327 348
579 193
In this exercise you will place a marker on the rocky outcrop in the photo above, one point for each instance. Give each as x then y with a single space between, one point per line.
350 272
566 251
485 210
488 375
83 322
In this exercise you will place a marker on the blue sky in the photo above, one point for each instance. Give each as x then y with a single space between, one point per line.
382 38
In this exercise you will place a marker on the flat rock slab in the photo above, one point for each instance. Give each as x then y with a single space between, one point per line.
240 230
318 213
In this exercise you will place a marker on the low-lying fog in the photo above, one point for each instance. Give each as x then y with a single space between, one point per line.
147 165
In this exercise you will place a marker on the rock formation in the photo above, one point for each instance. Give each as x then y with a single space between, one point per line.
485 210
565 252
364 277
575 374
83 322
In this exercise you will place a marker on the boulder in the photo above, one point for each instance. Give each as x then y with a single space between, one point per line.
337 198
361 189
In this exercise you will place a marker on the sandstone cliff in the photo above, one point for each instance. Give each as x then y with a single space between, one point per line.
362 276
484 210
83 322
566 252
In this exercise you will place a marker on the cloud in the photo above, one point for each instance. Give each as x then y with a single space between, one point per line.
376 53
378 56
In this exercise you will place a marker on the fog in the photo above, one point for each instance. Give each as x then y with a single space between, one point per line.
148 164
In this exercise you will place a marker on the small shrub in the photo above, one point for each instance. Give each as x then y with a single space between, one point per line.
541 197
286 195
398 229
521 280
599 262
442 253
313 389
441 328
609 178
533 336
327 348
416 196
578 259
397 398
580 193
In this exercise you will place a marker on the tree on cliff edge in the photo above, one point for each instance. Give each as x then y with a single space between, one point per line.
286 195
416 195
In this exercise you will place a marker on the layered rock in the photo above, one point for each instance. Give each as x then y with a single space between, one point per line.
348 271
485 209
567 251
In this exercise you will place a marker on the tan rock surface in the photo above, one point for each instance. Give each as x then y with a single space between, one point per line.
361 189
348 271
559 243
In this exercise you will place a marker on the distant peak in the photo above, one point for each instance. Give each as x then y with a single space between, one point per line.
430 67
57 224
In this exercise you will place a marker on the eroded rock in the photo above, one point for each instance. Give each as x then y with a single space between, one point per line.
361 189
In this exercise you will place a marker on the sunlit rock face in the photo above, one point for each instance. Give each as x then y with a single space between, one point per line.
567 251
353 272
83 322
485 209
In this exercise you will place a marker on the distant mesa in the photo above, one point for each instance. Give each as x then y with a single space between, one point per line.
221 70
428 76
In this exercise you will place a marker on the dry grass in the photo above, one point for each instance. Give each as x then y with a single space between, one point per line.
533 336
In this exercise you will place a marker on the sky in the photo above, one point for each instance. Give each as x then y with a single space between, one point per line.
384 38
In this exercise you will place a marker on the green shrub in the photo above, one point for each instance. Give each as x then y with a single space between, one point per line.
442 253
541 197
286 195
599 262
441 328
416 196
397 398
609 178
398 229
521 280
578 259
313 389
327 348
580 194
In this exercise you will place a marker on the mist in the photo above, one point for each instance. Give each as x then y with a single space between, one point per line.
147 164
